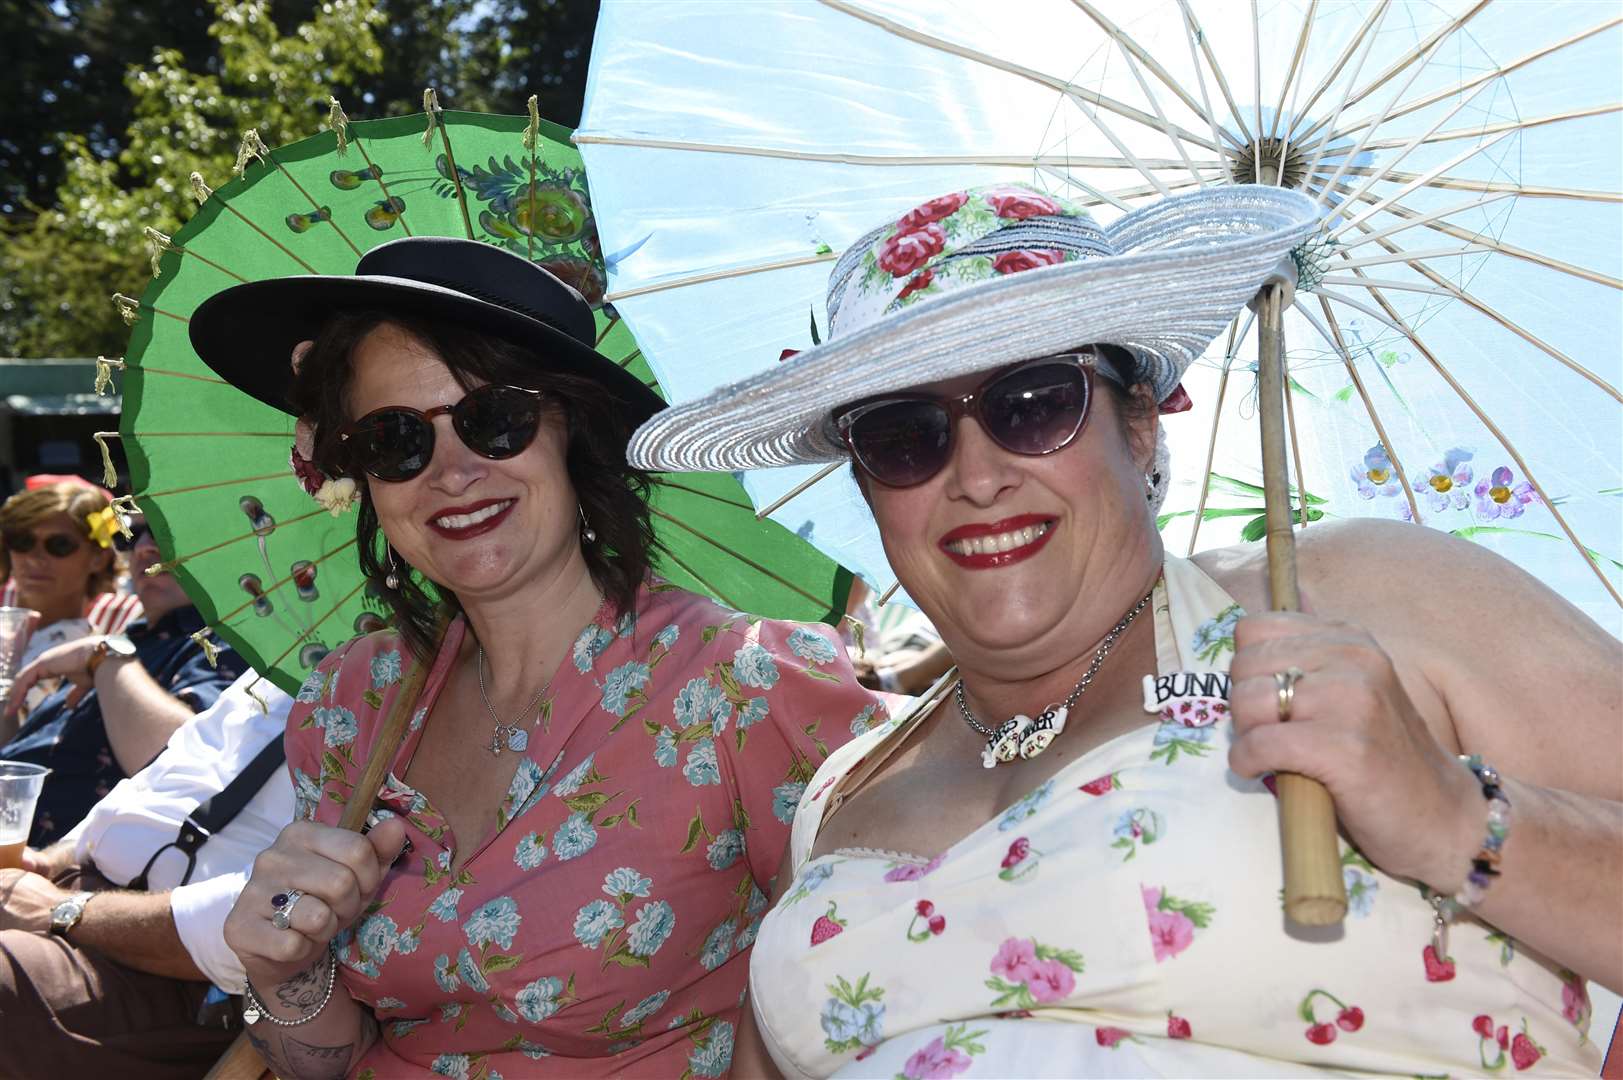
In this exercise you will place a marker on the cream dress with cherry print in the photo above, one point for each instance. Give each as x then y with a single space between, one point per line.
1124 919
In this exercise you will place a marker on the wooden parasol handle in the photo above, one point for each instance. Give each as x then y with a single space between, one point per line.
1315 894
240 1060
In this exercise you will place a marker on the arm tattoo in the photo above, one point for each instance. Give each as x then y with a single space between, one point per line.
304 990
304 1061
317 1062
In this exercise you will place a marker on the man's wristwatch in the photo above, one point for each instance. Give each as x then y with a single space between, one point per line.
112 645
66 915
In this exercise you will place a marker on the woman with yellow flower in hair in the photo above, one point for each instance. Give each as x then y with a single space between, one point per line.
57 558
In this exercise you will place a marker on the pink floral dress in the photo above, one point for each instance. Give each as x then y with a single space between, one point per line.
604 929
1124 919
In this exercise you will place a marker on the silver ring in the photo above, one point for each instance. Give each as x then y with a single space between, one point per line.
1285 682
282 917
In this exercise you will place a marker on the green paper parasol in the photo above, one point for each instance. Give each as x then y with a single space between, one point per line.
273 572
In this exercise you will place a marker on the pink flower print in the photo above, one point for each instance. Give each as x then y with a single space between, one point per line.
1575 1000
1026 973
1016 960
1497 496
1019 203
1013 262
944 1056
1052 981
907 252
942 206
1449 482
1170 933
934 1061
1375 476
1173 921
913 871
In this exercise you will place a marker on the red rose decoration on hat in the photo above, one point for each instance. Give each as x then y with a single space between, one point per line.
942 206
1017 203
1012 262
918 281
905 252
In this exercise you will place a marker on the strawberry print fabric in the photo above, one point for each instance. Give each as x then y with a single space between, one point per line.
1124 919
605 929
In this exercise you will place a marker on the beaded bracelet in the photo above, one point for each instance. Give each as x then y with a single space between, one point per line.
1484 864
254 1010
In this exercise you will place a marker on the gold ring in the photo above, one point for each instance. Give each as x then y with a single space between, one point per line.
1285 682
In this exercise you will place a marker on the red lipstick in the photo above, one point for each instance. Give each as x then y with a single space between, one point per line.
993 559
478 528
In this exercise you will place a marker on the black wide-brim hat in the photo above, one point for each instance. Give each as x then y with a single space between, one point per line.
247 333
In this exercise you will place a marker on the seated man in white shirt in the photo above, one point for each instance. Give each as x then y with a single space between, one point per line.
97 978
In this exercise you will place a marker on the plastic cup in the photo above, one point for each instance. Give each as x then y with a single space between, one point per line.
16 625
20 785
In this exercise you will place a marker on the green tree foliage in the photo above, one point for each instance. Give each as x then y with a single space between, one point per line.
124 153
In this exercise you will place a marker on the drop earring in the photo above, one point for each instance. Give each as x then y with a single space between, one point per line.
586 532
392 580
1152 480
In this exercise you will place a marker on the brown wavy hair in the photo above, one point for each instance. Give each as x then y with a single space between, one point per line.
613 494
26 509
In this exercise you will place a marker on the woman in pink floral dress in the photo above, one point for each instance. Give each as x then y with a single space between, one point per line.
569 857
1065 861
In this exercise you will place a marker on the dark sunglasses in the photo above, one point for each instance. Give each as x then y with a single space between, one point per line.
396 443
138 529
57 545
1033 408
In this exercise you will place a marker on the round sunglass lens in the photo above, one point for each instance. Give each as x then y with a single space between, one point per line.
1036 409
498 421
394 445
60 546
902 443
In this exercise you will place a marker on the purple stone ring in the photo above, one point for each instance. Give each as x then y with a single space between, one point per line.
282 916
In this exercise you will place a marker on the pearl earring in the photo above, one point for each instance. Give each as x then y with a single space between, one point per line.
586 531
392 581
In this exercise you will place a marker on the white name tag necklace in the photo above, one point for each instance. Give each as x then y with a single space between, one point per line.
1025 737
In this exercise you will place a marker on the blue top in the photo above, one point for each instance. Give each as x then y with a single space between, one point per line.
71 741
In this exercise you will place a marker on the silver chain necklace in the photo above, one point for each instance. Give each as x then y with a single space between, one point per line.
1022 736
509 736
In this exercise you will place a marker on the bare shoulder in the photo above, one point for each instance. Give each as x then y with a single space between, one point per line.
1485 648
1399 579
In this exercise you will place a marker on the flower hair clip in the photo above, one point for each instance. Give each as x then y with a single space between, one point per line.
336 494
103 524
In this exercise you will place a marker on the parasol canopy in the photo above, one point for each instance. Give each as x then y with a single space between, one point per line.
273 571
1453 344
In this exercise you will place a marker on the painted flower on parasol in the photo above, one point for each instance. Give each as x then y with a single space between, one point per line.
262 541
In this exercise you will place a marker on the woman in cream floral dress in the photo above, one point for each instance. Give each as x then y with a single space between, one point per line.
1065 861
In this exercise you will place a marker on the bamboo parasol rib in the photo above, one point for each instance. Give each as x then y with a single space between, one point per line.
242 1061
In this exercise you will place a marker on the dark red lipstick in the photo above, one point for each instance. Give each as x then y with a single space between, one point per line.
987 560
478 528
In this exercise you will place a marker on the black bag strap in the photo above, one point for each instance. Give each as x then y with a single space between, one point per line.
216 812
